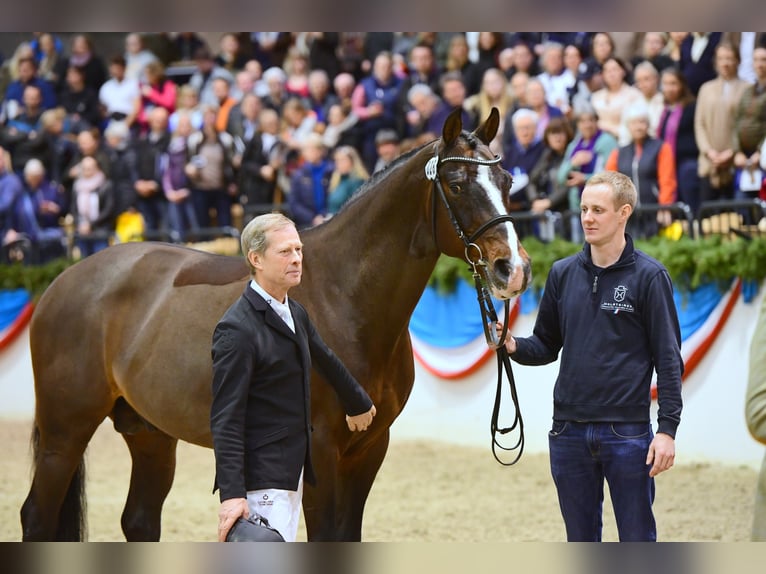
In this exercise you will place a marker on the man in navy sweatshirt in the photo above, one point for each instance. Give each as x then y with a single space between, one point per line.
609 310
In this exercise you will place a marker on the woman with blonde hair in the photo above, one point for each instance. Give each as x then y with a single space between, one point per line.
458 61
347 177
494 93
187 102
23 51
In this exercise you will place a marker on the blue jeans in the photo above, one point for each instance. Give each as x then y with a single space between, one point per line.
90 246
582 455
154 211
182 217
204 199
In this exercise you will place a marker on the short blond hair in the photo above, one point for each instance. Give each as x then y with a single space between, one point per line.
623 189
254 236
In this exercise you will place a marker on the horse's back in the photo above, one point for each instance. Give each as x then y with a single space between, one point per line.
141 267
137 319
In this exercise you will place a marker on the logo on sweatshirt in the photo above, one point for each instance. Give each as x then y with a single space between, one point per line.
619 303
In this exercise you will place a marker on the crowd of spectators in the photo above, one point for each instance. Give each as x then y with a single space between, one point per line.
172 132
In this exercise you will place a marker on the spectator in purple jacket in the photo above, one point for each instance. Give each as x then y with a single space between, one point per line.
175 182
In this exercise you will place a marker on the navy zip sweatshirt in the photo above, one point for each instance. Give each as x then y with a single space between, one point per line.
614 326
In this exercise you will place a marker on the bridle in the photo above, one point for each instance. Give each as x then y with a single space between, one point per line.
481 280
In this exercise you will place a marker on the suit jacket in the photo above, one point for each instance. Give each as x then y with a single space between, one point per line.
703 70
235 125
253 188
260 416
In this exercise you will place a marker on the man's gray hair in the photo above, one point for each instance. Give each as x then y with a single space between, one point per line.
254 235
274 73
34 167
636 111
419 90
648 66
524 113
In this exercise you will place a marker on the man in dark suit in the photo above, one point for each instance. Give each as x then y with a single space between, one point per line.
263 350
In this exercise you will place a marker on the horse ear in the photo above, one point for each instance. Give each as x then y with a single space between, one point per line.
486 132
453 125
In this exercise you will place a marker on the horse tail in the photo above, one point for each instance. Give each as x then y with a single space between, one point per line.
71 524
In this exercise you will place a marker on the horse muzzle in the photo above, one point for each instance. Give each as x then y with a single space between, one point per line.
509 279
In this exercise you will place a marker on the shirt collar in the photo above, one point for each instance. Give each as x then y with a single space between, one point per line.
263 293
281 309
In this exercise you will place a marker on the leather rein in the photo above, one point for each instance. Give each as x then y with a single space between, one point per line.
480 274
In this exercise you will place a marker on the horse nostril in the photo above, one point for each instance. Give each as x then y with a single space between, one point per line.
503 269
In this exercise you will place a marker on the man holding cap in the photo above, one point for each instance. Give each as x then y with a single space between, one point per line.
589 80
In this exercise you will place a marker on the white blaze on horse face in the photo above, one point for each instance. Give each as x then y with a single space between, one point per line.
495 195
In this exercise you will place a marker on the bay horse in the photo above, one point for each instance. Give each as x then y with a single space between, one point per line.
126 333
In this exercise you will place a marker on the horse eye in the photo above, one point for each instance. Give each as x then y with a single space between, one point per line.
455 187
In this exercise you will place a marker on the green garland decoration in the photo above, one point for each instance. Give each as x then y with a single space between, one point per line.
690 262
34 278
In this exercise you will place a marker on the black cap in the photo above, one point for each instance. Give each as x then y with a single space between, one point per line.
588 68
202 53
386 136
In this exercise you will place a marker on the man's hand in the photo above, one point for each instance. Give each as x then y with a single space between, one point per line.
662 452
581 157
664 218
575 179
361 422
145 187
510 342
231 509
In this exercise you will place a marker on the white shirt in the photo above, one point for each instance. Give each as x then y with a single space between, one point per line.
746 46
119 96
281 309
699 43
557 88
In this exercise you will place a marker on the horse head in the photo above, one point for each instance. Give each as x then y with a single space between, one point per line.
470 205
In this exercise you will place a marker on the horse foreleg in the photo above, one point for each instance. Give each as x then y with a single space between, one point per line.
154 465
357 471
319 500
334 508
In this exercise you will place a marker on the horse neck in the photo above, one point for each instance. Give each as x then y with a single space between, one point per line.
378 252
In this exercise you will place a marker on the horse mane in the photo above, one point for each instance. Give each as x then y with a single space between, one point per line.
472 141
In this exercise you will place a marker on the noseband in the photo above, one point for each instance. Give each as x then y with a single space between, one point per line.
488 314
